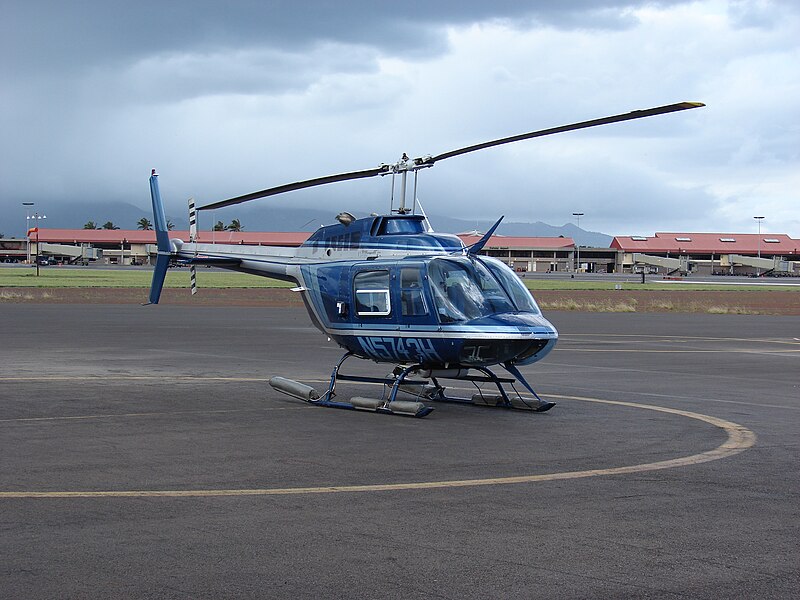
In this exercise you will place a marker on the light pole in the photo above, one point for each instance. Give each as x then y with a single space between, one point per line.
36 217
577 244
758 220
27 206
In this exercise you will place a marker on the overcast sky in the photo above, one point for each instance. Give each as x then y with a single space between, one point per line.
224 98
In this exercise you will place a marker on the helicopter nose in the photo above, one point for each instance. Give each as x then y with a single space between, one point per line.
543 336
521 338
536 351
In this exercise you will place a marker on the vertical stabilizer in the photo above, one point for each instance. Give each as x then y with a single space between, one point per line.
160 220
162 240
475 248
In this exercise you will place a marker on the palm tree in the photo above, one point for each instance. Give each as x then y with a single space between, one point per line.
220 226
235 226
144 224
109 225
170 226
91 225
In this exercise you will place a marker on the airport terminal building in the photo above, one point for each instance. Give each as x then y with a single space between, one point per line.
662 253
709 253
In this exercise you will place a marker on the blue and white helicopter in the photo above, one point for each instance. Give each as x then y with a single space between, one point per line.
388 289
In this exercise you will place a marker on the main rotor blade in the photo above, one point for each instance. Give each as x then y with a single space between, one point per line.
298 185
421 163
636 114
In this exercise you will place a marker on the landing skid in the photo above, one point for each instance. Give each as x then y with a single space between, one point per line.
423 384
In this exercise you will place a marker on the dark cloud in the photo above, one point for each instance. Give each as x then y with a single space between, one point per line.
228 98
52 36
130 53
177 76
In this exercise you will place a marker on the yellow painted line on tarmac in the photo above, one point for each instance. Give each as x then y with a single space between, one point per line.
739 439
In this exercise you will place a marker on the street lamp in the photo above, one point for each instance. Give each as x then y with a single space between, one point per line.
27 206
36 217
758 220
577 244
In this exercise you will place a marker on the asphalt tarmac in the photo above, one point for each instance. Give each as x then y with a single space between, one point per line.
143 455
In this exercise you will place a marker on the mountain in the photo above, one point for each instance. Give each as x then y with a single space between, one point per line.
126 216
537 229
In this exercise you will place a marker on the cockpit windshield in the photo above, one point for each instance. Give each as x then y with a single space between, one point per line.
464 290
512 284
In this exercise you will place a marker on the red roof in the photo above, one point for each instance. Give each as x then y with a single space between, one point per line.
136 236
709 243
274 238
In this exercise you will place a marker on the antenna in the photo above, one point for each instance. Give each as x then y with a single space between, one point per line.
428 227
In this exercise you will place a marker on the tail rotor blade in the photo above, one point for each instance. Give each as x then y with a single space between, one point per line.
192 221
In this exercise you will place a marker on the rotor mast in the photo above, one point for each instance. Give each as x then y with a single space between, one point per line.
403 166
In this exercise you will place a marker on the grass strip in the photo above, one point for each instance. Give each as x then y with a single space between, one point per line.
55 277
569 284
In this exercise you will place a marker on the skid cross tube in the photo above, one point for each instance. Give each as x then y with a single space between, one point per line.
330 393
537 405
488 377
385 406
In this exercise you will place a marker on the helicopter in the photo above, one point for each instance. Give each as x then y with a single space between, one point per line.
386 288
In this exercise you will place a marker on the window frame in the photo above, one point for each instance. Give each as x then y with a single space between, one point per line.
386 292
405 291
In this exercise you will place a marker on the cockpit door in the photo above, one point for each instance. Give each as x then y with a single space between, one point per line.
414 303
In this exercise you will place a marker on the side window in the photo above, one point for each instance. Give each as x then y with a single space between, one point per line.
372 293
411 297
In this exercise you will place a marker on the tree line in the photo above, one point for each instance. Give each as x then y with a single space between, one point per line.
145 224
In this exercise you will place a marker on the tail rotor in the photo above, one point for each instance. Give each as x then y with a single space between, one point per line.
193 239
